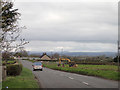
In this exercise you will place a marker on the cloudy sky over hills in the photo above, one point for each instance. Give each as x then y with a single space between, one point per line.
72 25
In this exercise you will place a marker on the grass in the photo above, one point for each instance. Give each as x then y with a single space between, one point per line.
25 80
104 71
11 62
32 61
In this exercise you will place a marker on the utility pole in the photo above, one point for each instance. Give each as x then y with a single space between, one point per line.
118 44
118 52
118 61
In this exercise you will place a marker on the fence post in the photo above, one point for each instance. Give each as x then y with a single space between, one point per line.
3 73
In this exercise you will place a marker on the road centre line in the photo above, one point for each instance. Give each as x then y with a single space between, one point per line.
80 75
85 83
70 77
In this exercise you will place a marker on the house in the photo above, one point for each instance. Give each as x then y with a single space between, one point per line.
45 57
53 58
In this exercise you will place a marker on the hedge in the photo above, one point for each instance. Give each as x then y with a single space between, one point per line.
14 69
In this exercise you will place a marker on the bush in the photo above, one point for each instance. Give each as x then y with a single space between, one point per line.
11 62
14 70
116 59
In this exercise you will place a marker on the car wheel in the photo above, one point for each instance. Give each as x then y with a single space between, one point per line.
33 69
41 69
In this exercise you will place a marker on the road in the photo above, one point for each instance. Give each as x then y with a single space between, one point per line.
58 79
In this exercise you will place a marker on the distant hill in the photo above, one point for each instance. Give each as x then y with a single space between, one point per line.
108 54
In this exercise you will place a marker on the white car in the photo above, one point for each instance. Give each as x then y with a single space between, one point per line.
37 66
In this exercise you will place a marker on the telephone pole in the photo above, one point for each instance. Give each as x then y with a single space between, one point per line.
118 62
118 51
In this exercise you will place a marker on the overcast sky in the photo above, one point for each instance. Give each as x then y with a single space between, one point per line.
75 26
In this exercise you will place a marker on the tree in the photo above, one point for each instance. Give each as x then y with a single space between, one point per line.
116 59
5 56
34 55
56 55
10 31
21 54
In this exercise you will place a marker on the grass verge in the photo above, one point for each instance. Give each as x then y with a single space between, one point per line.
24 80
104 71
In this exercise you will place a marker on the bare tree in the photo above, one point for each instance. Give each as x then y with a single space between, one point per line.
9 28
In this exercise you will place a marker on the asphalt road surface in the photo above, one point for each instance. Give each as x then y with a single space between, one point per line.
58 79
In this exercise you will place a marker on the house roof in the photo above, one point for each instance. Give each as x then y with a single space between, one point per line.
44 54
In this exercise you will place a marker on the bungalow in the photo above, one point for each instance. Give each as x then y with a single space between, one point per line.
45 57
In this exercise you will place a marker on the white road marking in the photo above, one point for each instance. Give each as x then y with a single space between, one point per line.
77 75
70 77
85 83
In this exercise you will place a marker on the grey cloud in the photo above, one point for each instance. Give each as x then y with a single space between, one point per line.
70 46
69 21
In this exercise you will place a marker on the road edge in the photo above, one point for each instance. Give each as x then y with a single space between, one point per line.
39 84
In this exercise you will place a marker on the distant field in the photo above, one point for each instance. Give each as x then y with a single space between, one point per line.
104 71
25 80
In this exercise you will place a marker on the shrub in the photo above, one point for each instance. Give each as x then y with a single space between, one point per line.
14 69
11 62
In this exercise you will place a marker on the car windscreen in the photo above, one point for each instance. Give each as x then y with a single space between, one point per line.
37 63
